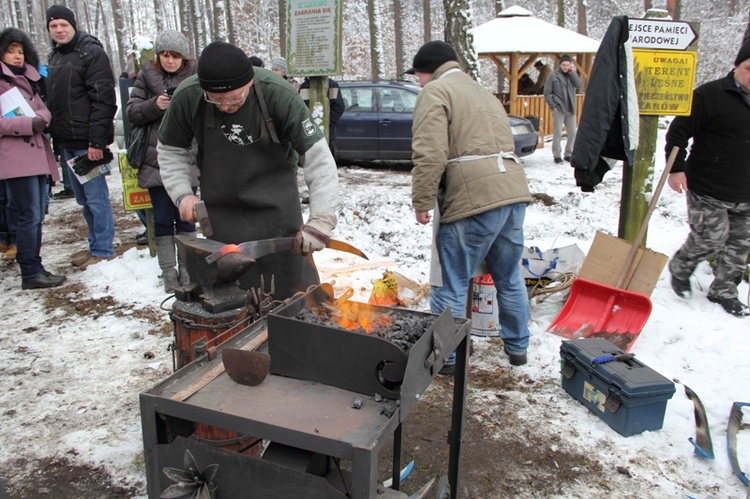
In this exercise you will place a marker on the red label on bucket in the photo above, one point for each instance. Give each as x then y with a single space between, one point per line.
485 280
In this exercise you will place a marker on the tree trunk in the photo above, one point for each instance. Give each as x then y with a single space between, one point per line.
500 75
186 23
561 13
120 34
457 25
282 27
218 24
582 24
374 40
677 10
747 32
399 36
19 18
231 37
427 20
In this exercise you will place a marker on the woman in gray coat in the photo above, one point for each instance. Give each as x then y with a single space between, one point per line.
26 157
148 101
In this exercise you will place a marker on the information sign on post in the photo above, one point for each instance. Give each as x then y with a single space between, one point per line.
660 34
664 81
314 40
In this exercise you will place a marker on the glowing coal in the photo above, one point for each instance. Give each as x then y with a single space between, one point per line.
398 327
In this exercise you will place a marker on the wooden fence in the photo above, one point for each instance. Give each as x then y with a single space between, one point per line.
535 105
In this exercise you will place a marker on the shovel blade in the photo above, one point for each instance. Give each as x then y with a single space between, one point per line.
246 367
595 310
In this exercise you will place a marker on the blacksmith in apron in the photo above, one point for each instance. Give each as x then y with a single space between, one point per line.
250 126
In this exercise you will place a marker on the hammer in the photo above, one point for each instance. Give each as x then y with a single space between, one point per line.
201 215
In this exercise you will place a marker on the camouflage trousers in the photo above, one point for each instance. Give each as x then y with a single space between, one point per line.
720 229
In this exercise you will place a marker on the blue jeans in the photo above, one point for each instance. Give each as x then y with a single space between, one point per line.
495 237
26 199
93 196
66 175
166 215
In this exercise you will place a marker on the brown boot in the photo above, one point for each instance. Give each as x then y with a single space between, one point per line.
10 254
80 258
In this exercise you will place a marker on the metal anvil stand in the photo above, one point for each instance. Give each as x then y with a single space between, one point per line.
301 414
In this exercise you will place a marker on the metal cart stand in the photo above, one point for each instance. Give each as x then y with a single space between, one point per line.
300 414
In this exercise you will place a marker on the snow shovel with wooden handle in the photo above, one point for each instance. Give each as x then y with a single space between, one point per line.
595 310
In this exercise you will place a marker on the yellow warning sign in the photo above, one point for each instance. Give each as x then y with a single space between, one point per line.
133 196
664 81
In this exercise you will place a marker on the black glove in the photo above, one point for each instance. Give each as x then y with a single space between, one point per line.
309 239
38 124
82 165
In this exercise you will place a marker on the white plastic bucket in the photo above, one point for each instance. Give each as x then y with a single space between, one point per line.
484 311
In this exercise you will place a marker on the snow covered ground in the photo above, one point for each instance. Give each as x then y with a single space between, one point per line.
73 359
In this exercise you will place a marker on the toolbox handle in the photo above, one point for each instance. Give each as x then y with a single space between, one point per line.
568 370
620 357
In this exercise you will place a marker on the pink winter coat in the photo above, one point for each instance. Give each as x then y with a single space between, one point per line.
24 153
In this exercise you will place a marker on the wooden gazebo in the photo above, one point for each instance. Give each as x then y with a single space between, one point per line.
515 40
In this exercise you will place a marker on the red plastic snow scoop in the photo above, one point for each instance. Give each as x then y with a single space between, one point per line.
595 310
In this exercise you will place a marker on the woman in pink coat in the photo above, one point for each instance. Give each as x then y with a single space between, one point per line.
26 156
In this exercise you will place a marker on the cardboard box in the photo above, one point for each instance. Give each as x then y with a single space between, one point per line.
606 258
627 395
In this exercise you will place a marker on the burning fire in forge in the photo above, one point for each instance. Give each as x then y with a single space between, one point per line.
397 326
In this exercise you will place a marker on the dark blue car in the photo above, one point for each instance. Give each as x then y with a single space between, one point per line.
376 125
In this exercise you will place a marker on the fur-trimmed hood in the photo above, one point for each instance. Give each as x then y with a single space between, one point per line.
15 35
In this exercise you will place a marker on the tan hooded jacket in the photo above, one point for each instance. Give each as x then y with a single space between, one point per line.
456 119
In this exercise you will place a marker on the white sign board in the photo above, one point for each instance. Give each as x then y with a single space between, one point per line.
314 41
658 34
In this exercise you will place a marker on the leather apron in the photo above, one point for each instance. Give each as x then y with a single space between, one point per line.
250 191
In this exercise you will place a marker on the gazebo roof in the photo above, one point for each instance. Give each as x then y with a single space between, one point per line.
516 30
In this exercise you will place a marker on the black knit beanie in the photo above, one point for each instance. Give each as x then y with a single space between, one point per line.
743 54
61 12
431 56
565 57
222 67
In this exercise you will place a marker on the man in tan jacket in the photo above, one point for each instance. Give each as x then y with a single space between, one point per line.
465 169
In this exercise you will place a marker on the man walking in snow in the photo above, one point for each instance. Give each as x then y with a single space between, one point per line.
716 176
560 94
465 169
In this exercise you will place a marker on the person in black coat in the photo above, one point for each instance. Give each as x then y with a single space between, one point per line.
716 176
335 99
81 97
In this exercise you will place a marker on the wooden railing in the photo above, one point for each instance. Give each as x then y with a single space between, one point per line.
535 105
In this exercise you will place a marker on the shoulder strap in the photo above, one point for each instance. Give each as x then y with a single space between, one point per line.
267 118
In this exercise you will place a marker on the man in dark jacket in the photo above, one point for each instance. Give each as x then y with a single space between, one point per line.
81 97
716 176
335 99
560 94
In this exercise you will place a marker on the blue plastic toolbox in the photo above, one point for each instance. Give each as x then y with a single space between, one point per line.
628 395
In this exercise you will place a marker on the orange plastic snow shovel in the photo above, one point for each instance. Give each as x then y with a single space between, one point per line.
595 310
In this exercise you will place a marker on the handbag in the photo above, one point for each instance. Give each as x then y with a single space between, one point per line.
137 145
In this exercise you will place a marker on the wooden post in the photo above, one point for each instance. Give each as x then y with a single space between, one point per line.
636 177
319 93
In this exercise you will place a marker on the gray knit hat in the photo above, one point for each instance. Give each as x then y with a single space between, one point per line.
172 41
279 64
